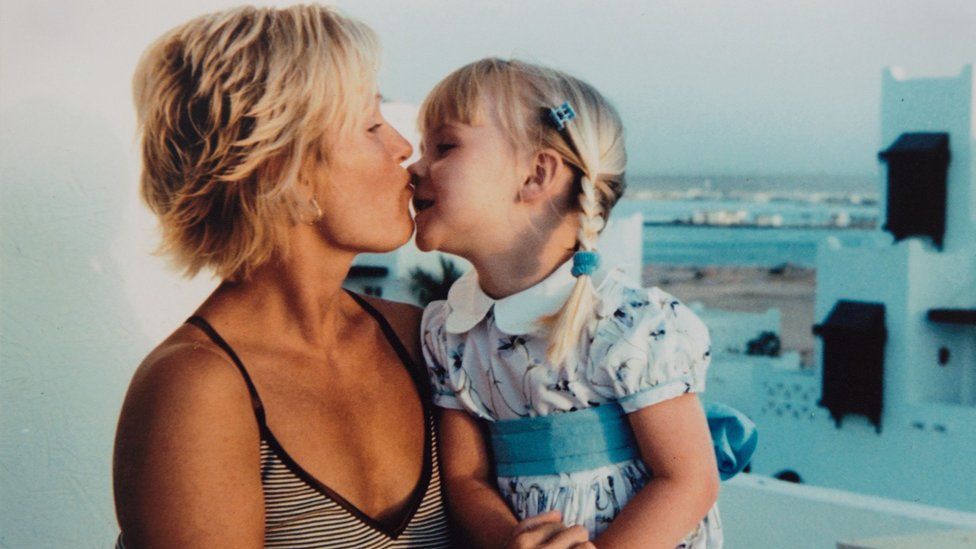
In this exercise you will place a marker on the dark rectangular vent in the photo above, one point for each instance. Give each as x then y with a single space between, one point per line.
367 271
853 336
953 316
917 168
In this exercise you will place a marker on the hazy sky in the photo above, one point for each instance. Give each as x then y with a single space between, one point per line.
704 87
748 86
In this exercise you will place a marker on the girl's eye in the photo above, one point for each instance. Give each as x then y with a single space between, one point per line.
444 147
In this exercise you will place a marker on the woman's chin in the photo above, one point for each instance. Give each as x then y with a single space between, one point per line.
389 239
403 237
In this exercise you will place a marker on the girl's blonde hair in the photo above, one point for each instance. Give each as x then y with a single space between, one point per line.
518 96
235 108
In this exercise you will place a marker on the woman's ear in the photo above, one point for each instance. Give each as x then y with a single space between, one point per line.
545 180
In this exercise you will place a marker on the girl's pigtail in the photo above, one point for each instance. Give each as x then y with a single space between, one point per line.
571 320
595 140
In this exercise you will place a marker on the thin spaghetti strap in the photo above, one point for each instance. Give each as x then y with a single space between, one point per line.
391 336
205 326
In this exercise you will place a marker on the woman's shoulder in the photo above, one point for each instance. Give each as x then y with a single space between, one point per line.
404 318
185 380
188 362
186 434
407 312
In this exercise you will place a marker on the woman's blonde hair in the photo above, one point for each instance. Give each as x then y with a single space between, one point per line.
518 97
235 109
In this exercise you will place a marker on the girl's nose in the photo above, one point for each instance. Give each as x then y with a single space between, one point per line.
418 169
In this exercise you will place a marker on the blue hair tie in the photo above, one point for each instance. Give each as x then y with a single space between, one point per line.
585 263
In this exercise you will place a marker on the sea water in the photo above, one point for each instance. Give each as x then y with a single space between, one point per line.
805 225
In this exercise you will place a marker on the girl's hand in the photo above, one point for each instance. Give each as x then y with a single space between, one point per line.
546 531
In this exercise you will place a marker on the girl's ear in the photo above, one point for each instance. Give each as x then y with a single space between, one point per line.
546 177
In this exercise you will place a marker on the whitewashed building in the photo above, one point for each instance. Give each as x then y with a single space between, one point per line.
890 408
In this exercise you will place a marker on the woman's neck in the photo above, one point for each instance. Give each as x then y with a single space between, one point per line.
300 293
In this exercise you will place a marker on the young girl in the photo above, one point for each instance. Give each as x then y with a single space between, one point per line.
563 384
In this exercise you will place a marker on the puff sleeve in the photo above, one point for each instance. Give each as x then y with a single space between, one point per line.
434 346
651 348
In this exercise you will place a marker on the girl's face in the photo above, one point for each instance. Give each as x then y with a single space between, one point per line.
365 194
467 184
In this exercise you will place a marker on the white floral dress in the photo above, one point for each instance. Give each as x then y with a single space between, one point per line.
487 357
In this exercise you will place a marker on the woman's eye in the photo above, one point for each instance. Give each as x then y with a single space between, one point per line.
444 147
375 127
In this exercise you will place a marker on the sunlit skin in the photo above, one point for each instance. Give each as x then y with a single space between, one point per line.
514 216
336 395
476 197
363 192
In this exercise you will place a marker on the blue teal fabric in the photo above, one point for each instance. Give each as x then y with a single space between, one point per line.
734 436
567 442
598 436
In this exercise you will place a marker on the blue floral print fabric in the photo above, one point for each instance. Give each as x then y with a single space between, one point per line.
488 358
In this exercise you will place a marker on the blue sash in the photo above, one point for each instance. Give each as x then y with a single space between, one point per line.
598 436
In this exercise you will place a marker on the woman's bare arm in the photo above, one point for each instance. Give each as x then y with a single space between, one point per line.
187 454
676 445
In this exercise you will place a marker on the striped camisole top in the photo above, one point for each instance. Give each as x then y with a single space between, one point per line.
301 512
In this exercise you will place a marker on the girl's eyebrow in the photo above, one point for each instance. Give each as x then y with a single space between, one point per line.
445 127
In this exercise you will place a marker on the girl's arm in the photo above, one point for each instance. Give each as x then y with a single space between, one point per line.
475 503
676 446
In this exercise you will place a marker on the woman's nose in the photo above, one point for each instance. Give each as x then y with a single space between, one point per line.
403 148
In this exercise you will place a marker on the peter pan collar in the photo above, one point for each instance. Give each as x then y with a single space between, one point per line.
516 314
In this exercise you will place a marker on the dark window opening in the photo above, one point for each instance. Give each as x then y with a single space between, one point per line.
943 356
367 271
853 336
917 168
373 290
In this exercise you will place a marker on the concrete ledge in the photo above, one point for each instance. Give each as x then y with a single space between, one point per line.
954 539
761 512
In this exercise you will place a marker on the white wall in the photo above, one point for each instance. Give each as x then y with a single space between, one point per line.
82 299
943 104
764 513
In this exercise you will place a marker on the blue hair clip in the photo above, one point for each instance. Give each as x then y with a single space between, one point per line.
562 114
585 263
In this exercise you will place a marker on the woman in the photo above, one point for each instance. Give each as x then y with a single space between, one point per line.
285 412
267 161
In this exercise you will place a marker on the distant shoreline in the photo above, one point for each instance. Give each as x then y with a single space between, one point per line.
817 182
755 226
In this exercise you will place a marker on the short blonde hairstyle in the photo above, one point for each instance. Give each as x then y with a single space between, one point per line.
234 109
518 97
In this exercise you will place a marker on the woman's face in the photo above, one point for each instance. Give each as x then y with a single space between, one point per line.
365 192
